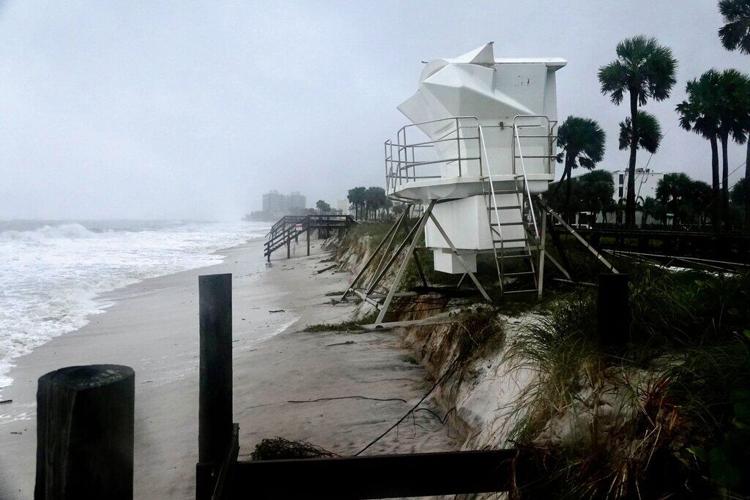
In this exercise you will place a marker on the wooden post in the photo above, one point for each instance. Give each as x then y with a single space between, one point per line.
307 235
613 309
85 418
215 398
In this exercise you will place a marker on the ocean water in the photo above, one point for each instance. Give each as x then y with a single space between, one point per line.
52 273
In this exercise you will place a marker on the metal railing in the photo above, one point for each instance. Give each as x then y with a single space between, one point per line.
460 144
548 133
405 162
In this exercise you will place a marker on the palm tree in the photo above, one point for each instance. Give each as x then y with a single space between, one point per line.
644 70
356 197
700 113
596 190
582 141
649 138
732 112
649 133
735 34
653 208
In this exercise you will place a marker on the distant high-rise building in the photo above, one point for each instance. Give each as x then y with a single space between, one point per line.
274 202
296 201
277 205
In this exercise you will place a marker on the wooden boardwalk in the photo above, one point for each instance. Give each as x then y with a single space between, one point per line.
290 227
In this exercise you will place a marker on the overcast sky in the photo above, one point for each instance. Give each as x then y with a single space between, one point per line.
181 109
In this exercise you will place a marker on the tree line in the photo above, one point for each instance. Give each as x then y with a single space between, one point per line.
687 201
369 202
717 108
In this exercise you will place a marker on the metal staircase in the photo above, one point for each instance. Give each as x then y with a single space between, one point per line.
512 219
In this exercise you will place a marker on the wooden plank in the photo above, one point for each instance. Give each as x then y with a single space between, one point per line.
440 318
381 476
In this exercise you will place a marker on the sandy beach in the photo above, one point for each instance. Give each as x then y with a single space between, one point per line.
278 369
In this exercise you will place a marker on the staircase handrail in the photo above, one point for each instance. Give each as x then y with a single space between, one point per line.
527 191
489 177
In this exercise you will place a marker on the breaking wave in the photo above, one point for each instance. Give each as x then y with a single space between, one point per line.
54 273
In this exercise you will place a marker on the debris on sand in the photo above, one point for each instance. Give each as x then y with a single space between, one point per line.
279 448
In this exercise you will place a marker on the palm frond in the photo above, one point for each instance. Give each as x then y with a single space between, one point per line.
735 34
642 67
648 132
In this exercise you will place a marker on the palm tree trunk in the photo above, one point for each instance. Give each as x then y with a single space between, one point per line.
630 203
716 216
747 186
568 184
725 180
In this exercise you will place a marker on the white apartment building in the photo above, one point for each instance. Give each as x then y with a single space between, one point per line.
646 181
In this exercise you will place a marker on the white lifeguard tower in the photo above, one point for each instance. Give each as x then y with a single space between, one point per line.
481 142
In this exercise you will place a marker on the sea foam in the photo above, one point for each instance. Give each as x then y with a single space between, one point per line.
53 274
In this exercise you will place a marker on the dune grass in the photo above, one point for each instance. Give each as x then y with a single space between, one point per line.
681 425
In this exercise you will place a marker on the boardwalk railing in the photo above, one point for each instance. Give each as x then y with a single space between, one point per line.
289 228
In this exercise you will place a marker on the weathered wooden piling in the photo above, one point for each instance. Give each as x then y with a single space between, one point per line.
613 309
85 418
215 386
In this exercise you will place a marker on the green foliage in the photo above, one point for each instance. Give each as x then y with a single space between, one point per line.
472 329
712 385
686 199
699 112
582 141
356 197
740 192
689 431
735 34
645 70
375 199
590 192
368 201
648 129
323 206
655 209
733 105
642 67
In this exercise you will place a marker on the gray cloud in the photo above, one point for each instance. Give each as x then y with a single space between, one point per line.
193 109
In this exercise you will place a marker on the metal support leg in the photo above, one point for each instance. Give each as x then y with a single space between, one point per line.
419 269
459 256
397 280
558 266
413 232
378 269
542 245
374 254
581 239
463 276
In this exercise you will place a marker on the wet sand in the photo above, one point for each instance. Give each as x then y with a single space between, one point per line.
278 369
